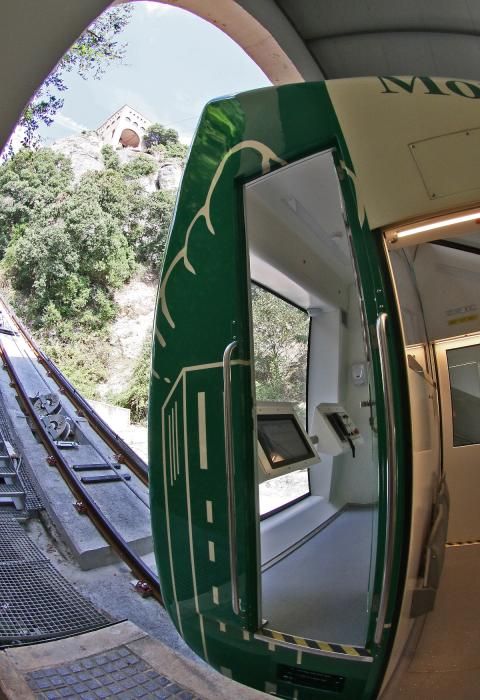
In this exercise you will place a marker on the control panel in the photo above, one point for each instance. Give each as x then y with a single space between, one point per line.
334 431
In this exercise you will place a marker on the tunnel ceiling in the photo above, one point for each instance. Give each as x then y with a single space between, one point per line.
349 38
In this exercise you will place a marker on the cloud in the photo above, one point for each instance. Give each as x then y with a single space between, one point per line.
156 8
69 123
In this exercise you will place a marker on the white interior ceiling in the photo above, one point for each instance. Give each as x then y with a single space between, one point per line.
300 203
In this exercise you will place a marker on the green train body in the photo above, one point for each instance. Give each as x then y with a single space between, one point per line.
360 136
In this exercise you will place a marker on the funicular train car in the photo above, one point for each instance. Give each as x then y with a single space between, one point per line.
356 203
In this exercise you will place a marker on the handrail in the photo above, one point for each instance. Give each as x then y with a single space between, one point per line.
391 475
230 468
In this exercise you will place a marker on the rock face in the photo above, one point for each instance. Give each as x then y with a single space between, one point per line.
136 300
169 175
136 303
84 151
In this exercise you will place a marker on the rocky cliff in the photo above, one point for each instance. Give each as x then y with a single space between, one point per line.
85 152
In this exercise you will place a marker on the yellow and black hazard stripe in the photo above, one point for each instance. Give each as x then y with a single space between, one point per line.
315 645
462 544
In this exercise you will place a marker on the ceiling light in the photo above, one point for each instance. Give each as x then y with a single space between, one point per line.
446 226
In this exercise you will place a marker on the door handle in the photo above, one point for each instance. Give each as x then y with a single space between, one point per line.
391 474
230 469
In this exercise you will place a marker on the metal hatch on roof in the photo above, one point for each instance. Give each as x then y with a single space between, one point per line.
461 150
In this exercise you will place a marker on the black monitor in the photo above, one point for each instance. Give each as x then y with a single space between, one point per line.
283 445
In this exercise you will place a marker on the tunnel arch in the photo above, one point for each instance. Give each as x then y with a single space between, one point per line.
286 63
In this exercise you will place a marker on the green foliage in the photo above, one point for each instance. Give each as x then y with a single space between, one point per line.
82 357
95 50
140 166
69 247
30 182
110 158
158 217
173 149
159 135
135 397
280 335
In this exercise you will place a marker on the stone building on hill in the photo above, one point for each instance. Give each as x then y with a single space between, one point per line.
123 131
126 128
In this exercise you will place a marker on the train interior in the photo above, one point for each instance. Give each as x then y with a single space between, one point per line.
437 284
317 550
436 273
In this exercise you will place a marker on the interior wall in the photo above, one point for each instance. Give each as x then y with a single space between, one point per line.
355 479
449 285
323 383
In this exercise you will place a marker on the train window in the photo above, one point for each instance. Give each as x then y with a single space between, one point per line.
299 249
464 372
280 340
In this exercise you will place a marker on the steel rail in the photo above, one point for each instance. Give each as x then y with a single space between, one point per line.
124 452
111 534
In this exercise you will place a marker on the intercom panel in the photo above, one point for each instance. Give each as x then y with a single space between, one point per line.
334 431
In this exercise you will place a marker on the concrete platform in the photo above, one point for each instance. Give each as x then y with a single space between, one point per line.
120 661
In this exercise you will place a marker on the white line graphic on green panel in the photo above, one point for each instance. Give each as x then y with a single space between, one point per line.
361 210
268 156
167 514
172 435
202 430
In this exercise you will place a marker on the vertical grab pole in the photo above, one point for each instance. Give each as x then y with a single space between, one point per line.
230 467
391 475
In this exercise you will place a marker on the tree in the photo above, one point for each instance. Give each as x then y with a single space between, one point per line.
159 135
90 56
141 166
110 158
30 182
135 396
71 250
280 335
153 237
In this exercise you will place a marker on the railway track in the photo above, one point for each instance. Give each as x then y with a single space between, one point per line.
125 453
56 430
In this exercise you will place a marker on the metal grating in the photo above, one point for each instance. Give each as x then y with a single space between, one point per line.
15 546
10 490
36 602
118 673
32 499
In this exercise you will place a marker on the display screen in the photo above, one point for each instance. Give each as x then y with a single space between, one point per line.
282 440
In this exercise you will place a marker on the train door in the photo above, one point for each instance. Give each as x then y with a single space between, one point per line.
458 363
318 555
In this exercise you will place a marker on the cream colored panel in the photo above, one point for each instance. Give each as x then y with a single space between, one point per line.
379 125
449 164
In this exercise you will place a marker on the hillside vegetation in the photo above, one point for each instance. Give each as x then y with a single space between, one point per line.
68 243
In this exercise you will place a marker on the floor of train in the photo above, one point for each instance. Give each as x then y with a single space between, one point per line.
320 590
444 664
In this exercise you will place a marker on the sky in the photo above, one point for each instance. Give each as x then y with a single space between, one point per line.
175 63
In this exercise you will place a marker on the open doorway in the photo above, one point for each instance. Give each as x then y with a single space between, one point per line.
317 553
